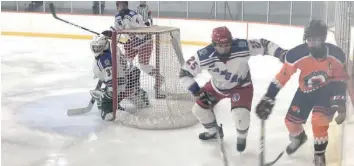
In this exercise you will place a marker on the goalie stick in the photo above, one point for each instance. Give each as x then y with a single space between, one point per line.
52 10
88 108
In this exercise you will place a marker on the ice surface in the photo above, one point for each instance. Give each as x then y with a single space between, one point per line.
42 78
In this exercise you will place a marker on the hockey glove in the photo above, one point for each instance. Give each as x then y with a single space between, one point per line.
205 97
264 108
338 105
282 55
107 33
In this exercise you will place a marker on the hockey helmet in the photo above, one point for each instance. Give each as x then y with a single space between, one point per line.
143 3
99 44
121 5
315 35
222 39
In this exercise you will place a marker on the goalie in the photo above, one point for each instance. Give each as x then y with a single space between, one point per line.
128 79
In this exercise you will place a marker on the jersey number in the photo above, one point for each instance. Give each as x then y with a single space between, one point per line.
192 63
255 44
109 73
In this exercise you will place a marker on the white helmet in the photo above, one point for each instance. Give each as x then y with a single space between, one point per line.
99 44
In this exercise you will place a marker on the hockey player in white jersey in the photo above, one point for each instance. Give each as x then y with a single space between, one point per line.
128 79
226 59
135 45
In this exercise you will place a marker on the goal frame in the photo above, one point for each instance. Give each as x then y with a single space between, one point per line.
164 38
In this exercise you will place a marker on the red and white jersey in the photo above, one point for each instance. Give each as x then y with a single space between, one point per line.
128 19
235 71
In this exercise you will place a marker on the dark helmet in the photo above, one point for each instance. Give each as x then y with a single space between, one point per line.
118 4
316 28
315 35
125 2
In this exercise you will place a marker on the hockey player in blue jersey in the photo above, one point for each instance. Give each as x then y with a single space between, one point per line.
128 79
226 60
140 46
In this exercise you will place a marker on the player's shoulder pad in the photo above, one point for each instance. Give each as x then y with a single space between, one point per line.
125 12
132 13
119 14
206 52
239 45
336 52
105 60
297 53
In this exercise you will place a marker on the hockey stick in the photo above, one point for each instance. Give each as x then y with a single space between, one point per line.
221 140
262 144
52 10
262 148
88 108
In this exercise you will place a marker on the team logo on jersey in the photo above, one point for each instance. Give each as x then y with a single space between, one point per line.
242 44
235 97
107 62
203 51
295 108
316 79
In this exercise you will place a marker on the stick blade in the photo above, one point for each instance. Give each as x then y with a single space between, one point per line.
274 161
77 111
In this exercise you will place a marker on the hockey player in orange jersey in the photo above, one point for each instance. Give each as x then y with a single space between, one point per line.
322 90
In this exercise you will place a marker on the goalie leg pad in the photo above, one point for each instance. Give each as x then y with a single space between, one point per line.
107 109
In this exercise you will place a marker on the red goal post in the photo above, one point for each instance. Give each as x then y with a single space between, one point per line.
161 47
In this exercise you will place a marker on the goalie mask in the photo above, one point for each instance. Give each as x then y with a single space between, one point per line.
315 36
99 44
222 40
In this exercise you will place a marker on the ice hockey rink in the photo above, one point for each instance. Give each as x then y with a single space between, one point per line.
43 77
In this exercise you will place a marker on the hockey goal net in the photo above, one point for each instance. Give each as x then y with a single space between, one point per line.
155 51
343 34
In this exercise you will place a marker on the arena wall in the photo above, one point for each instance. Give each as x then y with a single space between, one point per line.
193 32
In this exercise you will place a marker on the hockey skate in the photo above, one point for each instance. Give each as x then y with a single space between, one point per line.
208 136
241 144
159 81
120 108
319 160
296 142
140 99
241 140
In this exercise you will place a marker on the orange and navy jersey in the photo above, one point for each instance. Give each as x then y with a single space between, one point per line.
314 73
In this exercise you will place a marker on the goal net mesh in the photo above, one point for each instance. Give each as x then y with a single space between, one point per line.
342 25
149 59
